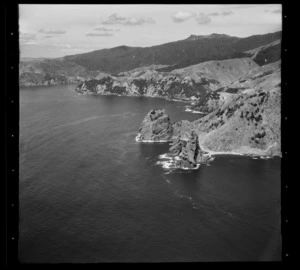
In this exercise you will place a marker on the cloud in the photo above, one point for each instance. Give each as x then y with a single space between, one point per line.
27 38
105 29
117 19
276 11
226 13
52 32
49 36
203 19
211 14
182 16
62 45
99 35
67 46
243 6
139 21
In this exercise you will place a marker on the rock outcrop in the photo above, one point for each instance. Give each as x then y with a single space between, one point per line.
187 152
156 127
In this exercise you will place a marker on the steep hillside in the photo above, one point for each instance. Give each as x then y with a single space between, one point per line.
264 77
224 72
243 117
52 72
249 124
189 84
162 58
150 84
137 72
266 54
189 51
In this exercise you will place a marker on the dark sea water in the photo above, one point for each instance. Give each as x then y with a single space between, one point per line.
90 193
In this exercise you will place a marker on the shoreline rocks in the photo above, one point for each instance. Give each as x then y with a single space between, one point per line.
188 152
231 130
156 127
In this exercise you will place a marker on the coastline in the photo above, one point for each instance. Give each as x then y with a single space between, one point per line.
131 95
194 111
168 162
113 94
47 85
137 139
255 153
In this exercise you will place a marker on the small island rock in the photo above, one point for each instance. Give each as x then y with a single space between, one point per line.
156 127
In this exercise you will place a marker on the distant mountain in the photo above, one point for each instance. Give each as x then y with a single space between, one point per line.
266 54
176 55
182 53
52 72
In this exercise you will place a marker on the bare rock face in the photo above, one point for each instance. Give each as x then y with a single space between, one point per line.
155 127
187 152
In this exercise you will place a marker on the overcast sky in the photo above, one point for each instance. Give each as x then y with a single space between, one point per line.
59 30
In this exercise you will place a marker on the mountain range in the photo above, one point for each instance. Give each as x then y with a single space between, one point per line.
168 57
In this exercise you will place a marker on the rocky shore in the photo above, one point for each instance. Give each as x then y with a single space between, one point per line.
185 151
247 125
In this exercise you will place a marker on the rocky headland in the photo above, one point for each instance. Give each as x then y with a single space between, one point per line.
187 152
156 127
246 121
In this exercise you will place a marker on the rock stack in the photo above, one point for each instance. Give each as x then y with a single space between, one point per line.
187 153
156 127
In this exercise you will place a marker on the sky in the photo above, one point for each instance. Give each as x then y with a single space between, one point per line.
58 30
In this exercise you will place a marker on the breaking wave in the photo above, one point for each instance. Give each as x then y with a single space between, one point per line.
138 139
168 162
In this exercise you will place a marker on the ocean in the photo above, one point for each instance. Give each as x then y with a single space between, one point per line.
90 193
